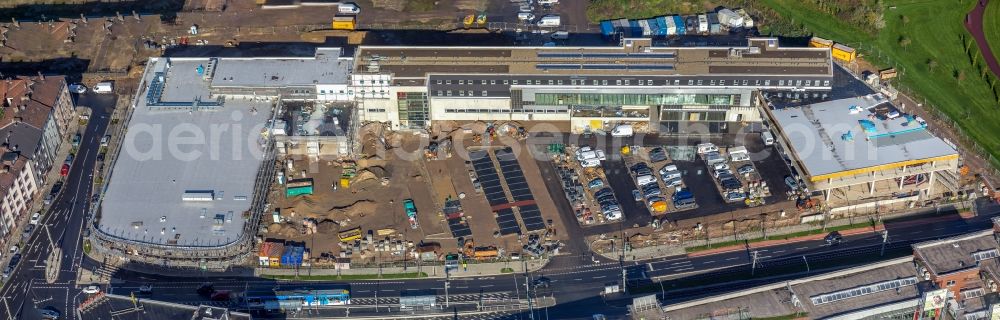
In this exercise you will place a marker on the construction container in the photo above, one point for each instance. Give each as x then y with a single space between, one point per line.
714 27
635 30
702 23
730 19
344 23
669 27
644 24
293 256
350 235
844 53
607 28
679 24
817 42
270 254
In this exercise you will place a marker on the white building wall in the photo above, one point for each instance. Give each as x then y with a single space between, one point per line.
460 109
17 201
333 92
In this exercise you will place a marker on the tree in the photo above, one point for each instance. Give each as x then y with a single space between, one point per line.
904 19
931 64
904 41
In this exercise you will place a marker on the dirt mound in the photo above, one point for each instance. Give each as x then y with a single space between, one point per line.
357 209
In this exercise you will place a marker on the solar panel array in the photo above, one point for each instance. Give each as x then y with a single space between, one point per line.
513 175
488 177
507 222
459 228
532 217
518 186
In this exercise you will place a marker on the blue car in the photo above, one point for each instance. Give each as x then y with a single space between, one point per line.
596 183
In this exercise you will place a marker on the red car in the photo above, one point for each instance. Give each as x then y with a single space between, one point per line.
65 170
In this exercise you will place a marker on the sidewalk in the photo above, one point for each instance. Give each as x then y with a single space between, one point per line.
652 252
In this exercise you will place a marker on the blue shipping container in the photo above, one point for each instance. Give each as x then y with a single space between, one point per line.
634 29
607 29
292 256
661 23
679 22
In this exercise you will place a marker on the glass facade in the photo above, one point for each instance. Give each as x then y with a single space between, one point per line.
634 99
413 110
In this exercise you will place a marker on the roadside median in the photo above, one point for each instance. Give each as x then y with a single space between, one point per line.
807 235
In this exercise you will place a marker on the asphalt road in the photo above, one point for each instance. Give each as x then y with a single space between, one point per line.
26 290
576 281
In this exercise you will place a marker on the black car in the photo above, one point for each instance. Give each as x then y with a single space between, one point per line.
657 155
603 192
541 282
206 289
56 187
49 312
639 166
833 238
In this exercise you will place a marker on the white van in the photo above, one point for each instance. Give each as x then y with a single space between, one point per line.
525 16
590 163
624 130
547 2
348 8
104 87
644 180
707 147
551 20
561 35
737 154
767 137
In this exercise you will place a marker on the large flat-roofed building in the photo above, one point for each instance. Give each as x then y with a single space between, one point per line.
863 149
886 290
192 170
670 88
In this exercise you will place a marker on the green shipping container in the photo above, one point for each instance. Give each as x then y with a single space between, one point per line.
298 191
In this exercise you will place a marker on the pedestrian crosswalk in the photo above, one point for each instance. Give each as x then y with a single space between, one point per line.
106 271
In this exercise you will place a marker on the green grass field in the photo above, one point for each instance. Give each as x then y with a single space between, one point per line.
991 26
934 31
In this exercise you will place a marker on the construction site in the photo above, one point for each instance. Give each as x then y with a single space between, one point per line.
412 197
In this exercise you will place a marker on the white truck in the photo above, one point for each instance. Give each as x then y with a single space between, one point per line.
560 35
348 8
104 87
551 20
624 130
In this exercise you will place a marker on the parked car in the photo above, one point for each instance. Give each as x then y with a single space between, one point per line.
8 271
637 195
670 175
722 173
35 217
657 155
668 168
91 289
77 88
596 183
146 289
105 140
791 183
745 170
14 249
673 182
603 191
735 196
639 166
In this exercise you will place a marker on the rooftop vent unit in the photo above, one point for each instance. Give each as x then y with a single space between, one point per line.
209 71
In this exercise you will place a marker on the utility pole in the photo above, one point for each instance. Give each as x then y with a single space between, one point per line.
885 238
527 293
807 262
753 265
446 278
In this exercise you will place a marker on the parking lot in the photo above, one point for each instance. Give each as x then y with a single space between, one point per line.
659 184
696 176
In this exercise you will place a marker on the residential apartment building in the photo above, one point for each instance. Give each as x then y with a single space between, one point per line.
35 118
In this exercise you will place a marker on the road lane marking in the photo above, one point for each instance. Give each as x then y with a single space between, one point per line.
709 261
578 279
683 269
733 258
779 251
598 277
682 262
801 248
